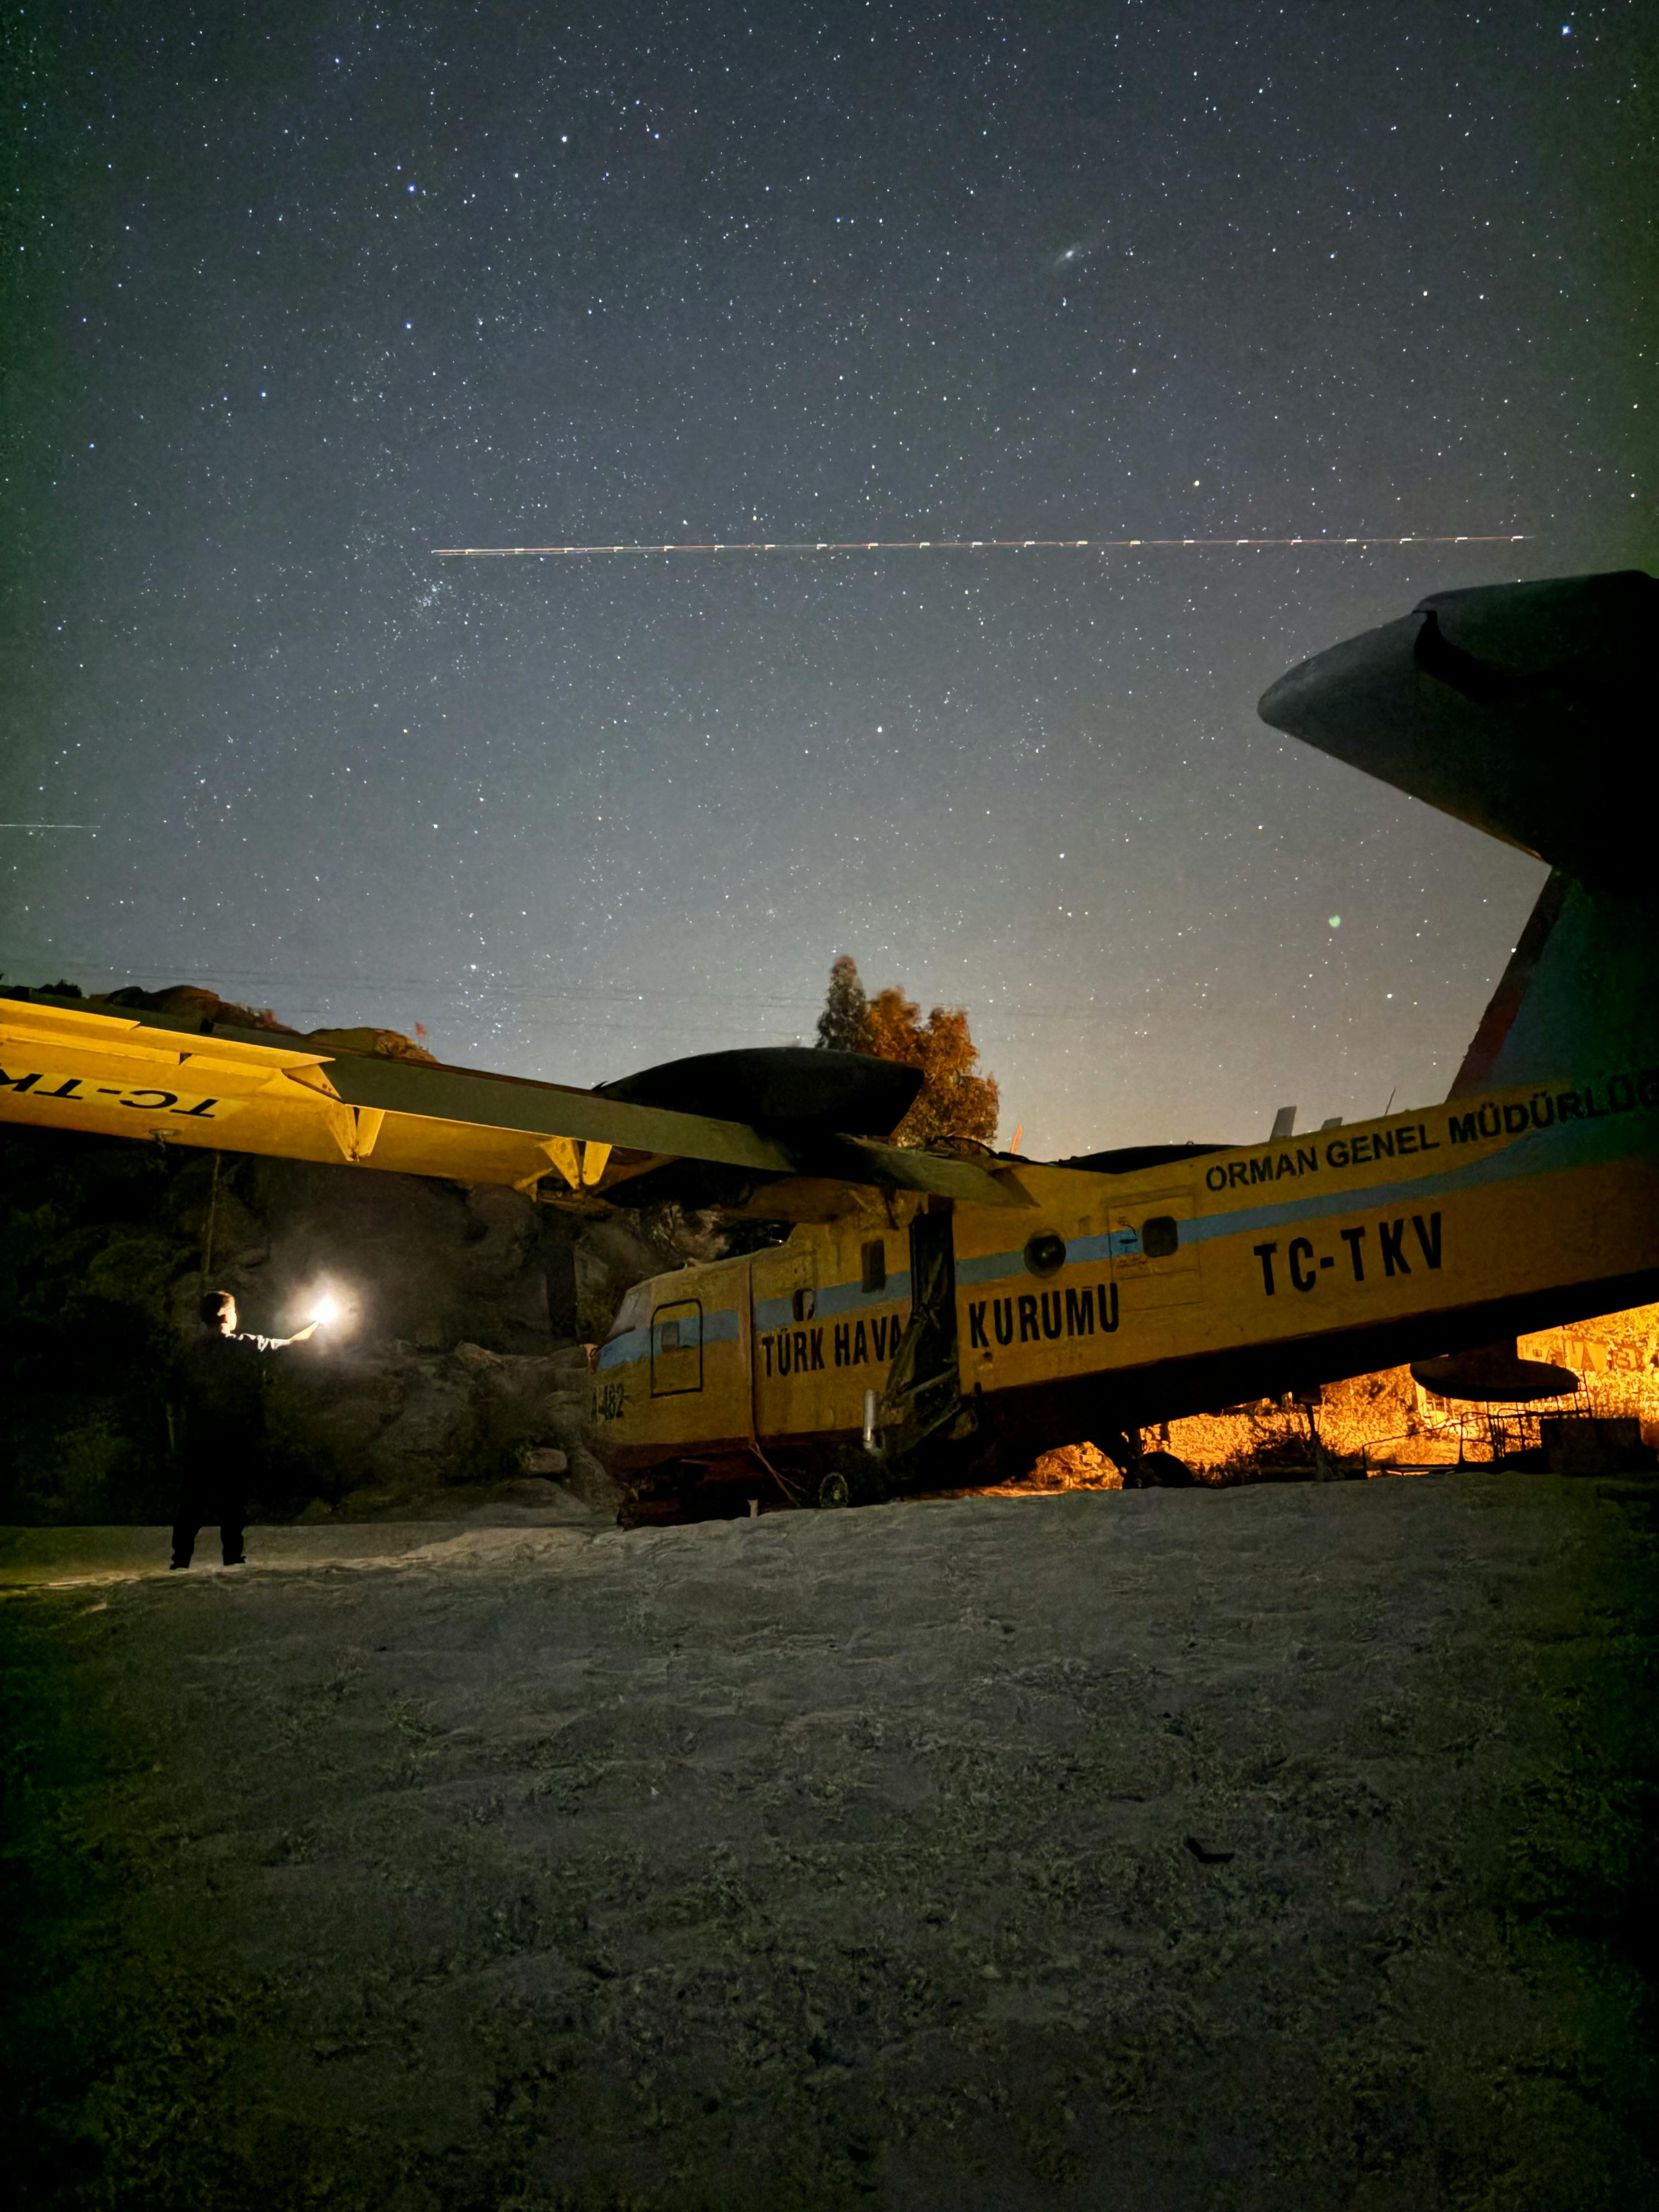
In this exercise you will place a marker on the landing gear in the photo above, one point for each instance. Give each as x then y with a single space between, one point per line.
856 1479
1145 1470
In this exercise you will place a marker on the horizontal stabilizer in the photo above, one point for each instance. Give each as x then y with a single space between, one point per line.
1523 709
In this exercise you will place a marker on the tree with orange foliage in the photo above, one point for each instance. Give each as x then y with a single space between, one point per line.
953 1101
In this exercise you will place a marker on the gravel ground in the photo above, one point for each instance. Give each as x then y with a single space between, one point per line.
1271 1847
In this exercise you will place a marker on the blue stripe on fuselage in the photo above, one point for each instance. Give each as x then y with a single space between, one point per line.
1541 1152
720 1326
1533 1154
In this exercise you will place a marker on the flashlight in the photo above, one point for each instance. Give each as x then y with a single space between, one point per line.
326 1309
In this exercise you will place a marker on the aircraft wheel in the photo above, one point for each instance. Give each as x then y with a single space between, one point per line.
865 1478
834 1490
1162 1470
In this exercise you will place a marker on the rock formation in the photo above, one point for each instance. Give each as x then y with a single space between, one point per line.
457 1355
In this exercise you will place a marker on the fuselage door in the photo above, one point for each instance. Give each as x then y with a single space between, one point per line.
924 1385
1154 1253
676 1348
789 1340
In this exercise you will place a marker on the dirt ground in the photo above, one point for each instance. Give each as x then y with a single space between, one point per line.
1268 1847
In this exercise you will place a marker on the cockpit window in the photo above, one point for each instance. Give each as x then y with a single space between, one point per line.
633 1312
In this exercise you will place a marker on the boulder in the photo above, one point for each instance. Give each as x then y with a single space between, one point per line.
427 1261
398 1418
590 1482
476 1359
543 1461
380 1044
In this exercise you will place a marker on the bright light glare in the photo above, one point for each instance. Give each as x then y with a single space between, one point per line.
326 1309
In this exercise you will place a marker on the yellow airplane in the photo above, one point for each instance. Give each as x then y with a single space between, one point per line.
931 1311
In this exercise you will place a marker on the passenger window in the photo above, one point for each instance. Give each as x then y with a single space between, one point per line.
875 1266
1045 1253
1160 1238
803 1304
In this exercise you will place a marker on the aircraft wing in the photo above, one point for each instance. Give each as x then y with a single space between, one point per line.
129 1073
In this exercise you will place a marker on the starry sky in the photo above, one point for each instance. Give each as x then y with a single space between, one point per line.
294 296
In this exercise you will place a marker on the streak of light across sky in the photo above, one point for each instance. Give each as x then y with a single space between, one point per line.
964 545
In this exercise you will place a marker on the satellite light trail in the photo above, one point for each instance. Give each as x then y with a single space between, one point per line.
959 545
51 826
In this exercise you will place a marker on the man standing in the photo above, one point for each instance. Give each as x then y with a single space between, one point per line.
223 1367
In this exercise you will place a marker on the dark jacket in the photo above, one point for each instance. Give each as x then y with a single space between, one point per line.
223 1374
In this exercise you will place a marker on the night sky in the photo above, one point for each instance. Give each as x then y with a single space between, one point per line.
296 294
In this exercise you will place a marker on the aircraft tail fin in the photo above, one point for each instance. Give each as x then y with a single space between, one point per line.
1526 711
1580 994
1487 1044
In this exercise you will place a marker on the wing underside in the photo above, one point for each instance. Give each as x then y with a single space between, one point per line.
130 1074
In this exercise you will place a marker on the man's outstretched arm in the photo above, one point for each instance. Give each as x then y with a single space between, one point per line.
274 1343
